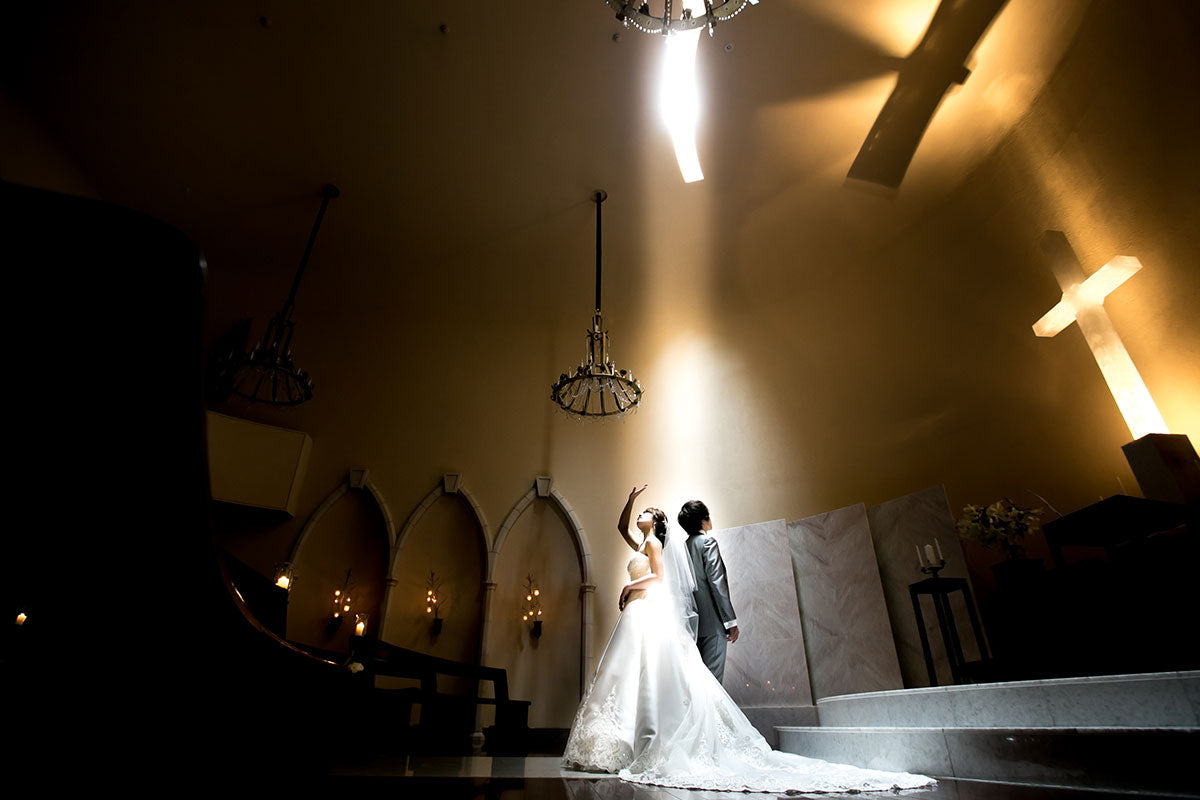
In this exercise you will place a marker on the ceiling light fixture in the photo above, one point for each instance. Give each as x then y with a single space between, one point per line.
597 388
267 373
679 94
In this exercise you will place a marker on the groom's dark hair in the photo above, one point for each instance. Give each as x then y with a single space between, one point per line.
692 516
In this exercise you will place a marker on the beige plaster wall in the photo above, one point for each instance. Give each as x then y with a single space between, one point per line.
796 358
351 536
447 541
806 347
545 669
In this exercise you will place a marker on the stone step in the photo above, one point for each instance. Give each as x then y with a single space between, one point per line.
1129 759
1154 700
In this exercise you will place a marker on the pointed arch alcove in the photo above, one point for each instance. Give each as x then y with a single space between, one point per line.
542 536
350 532
447 534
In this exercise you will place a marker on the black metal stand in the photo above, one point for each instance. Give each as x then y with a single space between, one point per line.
939 590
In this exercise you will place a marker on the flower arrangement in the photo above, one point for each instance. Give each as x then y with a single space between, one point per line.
1002 524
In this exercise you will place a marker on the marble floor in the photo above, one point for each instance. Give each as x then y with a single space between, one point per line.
541 778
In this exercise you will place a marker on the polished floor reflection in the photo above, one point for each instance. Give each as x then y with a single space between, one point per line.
541 778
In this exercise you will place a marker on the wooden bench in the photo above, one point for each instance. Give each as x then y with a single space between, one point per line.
446 720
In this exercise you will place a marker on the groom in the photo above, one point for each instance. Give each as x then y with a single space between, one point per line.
718 623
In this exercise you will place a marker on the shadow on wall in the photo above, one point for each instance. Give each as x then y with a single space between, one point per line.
351 538
543 669
447 541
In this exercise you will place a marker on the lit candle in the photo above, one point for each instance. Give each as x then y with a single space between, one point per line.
21 618
939 550
359 627
282 582
929 553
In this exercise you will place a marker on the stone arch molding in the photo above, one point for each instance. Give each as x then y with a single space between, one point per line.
450 484
359 479
544 487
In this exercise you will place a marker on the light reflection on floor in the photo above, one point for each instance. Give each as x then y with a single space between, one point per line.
542 778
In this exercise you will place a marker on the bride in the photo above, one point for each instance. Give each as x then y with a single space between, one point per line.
655 714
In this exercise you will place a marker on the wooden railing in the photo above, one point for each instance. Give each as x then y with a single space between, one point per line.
445 720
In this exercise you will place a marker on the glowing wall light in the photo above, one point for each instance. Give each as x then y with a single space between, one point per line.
679 97
679 100
1083 302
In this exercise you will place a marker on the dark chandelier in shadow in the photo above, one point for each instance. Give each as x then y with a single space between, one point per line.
267 373
597 388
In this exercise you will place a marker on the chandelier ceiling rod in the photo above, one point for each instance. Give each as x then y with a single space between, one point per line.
267 373
599 196
328 192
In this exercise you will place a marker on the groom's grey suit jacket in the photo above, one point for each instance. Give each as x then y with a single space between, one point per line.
712 587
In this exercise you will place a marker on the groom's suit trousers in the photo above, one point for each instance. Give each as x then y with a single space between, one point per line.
712 653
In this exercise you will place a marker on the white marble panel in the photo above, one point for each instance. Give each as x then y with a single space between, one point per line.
1136 701
1017 705
766 718
907 708
1154 700
847 633
1191 688
898 527
767 666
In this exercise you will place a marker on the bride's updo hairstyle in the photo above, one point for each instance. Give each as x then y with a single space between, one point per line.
660 523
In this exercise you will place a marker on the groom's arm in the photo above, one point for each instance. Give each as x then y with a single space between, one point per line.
714 570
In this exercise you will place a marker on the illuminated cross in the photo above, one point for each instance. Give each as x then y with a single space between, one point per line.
1083 302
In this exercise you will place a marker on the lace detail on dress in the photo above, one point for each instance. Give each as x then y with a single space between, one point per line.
595 743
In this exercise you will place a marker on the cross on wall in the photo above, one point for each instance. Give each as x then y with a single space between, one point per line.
1083 303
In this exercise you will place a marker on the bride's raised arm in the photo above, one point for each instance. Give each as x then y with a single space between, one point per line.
623 522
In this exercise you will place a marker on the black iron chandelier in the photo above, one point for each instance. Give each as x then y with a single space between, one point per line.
597 388
267 373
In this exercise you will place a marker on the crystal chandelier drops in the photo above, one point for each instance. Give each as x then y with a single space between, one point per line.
597 388
637 15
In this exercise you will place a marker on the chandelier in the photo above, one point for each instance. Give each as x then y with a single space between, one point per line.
267 373
638 15
597 388
679 100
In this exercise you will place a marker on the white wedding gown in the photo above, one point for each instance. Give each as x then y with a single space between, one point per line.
654 714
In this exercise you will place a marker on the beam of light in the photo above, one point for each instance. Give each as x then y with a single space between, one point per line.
679 100
1083 303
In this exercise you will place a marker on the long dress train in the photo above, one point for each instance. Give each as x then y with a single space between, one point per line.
655 714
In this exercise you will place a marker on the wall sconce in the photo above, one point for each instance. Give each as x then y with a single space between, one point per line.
341 603
433 587
360 624
531 611
284 575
